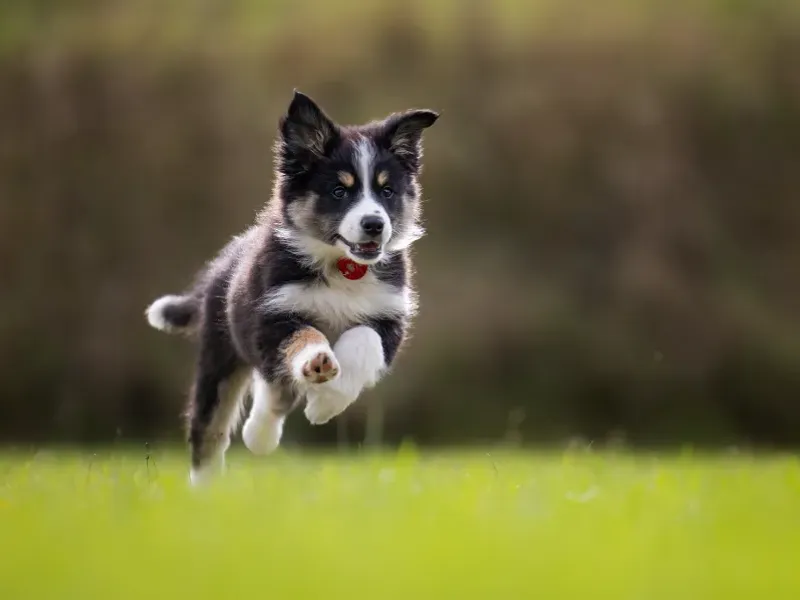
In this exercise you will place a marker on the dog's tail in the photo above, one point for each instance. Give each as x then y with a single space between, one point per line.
175 314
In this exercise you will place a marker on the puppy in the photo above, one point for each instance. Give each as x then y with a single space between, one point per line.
313 301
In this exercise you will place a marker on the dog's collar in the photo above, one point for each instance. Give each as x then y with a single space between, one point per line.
351 269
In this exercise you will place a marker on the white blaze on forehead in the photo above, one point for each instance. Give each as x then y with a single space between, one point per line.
366 203
365 160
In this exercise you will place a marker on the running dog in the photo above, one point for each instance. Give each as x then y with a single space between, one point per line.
314 300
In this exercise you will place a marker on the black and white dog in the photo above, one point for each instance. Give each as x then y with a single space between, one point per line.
313 301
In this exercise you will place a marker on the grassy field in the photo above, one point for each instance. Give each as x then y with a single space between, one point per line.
401 525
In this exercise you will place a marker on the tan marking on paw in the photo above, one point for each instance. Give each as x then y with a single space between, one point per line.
302 338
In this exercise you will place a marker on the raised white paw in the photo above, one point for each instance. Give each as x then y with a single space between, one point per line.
262 434
322 404
321 367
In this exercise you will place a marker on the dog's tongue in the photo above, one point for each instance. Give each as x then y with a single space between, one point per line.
351 269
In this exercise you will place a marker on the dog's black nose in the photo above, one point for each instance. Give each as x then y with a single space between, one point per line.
372 225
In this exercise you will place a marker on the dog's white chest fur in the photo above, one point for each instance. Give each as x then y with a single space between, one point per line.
341 303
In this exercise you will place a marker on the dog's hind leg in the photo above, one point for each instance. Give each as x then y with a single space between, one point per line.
221 382
215 411
264 427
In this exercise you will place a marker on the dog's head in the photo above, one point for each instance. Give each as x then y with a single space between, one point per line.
350 190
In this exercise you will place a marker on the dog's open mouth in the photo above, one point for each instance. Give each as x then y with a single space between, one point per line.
365 250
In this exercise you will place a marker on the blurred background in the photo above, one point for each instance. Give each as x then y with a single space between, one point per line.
611 205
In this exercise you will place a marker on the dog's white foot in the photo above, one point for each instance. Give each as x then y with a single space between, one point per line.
264 427
262 433
199 476
324 403
207 472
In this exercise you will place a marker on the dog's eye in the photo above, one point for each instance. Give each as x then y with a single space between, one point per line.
339 192
387 192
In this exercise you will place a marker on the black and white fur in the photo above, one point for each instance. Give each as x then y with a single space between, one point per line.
274 315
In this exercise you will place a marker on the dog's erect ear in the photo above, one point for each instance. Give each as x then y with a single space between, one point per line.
306 130
403 134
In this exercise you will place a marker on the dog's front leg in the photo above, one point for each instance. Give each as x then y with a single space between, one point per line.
364 354
293 356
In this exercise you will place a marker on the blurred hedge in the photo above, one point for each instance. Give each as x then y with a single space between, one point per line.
611 206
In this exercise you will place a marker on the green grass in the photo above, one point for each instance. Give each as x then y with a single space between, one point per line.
405 525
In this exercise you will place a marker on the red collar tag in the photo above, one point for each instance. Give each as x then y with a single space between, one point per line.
351 269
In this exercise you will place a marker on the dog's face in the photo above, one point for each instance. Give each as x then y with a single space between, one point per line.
348 190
